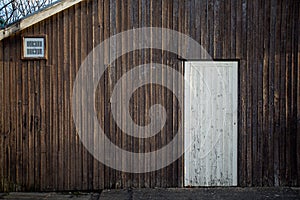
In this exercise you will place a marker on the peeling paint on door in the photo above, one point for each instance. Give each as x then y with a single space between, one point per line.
210 120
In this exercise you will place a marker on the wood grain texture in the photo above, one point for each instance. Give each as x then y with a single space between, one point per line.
39 147
211 129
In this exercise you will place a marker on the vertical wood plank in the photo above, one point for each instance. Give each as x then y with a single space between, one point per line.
96 39
152 90
102 86
48 113
268 180
282 138
125 145
13 118
249 92
141 96
297 63
112 80
2 133
241 40
78 158
133 59
158 90
266 70
6 121
288 94
89 40
106 35
168 104
277 94
176 170
31 133
293 120
83 50
255 91
144 13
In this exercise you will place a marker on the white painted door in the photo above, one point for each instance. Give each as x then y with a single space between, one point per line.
210 123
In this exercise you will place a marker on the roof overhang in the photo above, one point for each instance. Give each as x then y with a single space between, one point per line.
35 18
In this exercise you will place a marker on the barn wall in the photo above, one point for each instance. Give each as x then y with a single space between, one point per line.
39 148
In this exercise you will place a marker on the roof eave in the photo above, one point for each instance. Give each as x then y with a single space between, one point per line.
39 16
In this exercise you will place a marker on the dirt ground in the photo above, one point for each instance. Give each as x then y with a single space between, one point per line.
168 194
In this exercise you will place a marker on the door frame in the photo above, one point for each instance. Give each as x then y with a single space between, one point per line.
238 61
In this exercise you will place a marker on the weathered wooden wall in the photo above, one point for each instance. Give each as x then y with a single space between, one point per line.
39 148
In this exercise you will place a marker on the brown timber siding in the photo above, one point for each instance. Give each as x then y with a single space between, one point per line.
39 148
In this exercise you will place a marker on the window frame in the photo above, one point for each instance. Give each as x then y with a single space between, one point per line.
45 57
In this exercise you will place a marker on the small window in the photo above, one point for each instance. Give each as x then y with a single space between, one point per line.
34 47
